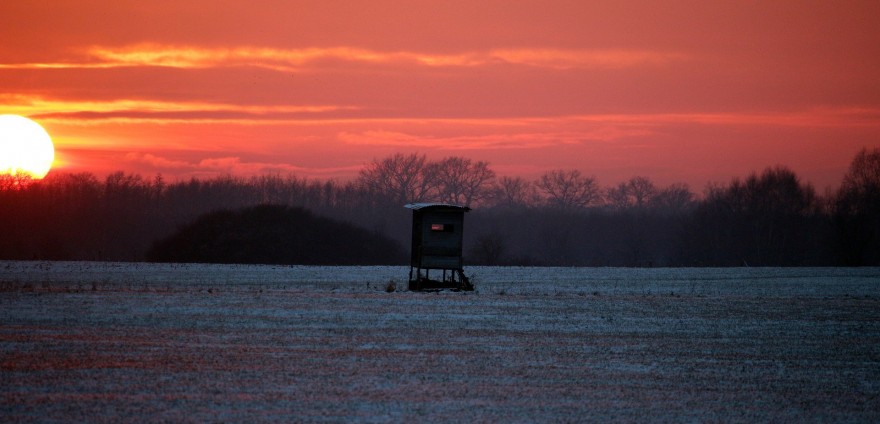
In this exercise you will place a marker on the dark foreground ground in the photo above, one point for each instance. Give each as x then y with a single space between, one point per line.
122 342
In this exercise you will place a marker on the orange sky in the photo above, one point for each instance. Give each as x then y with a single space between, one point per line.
680 91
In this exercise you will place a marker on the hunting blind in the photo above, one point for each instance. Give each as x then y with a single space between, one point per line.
437 236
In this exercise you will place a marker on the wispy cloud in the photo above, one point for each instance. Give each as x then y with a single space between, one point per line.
232 165
567 59
292 60
815 117
158 161
523 140
85 112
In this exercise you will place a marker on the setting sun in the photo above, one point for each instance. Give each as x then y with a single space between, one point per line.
25 147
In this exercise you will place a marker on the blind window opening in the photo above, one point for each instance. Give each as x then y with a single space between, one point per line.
442 228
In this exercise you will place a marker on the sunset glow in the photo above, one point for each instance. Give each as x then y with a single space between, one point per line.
694 92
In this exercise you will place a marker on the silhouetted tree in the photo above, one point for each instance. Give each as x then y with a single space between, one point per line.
400 178
759 221
510 192
675 199
633 193
16 181
462 181
856 210
568 189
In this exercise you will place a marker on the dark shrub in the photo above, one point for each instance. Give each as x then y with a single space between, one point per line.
272 234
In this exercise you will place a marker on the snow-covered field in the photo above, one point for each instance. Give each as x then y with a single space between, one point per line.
111 342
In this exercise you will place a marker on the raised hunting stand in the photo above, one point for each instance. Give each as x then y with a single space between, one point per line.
437 232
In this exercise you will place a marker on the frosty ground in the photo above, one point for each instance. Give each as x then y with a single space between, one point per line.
111 342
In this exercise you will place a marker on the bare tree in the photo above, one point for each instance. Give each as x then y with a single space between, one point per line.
399 178
636 192
568 189
16 181
641 190
778 192
270 189
462 181
512 192
120 185
674 199
856 210
761 220
617 197
860 189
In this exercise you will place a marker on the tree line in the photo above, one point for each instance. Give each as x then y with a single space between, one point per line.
561 218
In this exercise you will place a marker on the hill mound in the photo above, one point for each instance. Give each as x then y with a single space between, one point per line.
274 234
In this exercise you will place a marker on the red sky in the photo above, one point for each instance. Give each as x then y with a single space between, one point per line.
679 91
